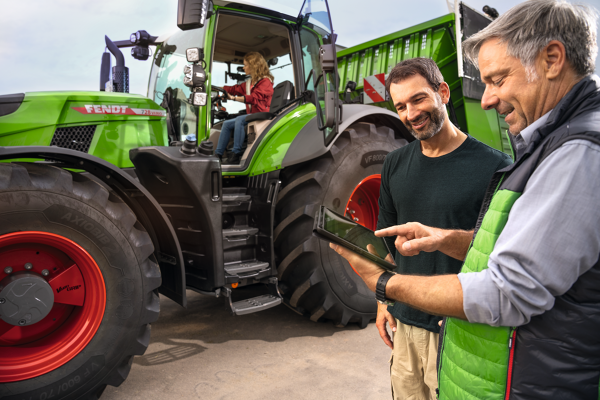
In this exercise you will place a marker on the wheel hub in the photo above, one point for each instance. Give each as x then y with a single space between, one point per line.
25 299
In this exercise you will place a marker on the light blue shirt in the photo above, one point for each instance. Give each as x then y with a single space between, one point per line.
552 237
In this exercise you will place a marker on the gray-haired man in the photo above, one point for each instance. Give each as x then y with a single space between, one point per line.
529 286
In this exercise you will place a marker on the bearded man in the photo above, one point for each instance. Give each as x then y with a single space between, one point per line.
439 180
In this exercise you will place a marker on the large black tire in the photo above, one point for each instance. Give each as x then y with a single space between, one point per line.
316 281
35 197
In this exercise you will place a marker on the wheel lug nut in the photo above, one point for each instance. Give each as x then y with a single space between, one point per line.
2 301
22 322
8 270
45 272
356 219
28 266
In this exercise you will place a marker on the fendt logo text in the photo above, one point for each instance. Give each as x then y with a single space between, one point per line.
118 110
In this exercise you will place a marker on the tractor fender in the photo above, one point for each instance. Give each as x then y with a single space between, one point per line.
141 202
308 144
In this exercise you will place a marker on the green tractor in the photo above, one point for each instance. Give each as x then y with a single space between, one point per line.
108 199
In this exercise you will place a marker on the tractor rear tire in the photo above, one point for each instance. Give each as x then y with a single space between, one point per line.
314 280
58 222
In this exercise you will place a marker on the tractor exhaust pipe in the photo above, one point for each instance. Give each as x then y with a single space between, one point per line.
120 72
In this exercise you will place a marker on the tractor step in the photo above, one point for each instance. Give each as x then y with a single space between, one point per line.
235 195
255 304
238 198
245 267
240 231
258 303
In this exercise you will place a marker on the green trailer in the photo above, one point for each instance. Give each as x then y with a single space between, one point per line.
108 198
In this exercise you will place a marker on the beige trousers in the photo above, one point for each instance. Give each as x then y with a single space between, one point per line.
413 363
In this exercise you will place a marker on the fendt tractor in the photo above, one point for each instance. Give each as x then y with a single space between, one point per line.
108 198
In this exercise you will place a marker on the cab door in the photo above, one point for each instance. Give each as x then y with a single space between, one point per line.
317 41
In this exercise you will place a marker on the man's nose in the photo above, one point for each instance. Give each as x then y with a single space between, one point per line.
412 112
489 100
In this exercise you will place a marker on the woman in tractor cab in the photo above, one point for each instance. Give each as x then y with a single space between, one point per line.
256 93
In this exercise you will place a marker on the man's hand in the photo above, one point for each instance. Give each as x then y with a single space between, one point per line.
368 271
230 97
413 238
383 318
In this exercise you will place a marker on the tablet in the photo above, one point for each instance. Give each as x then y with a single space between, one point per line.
332 227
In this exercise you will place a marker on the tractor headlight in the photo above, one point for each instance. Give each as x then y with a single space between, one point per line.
194 76
193 54
198 99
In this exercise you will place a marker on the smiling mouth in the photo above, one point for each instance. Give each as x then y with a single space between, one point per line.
419 124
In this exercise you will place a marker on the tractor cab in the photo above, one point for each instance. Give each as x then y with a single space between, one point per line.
290 45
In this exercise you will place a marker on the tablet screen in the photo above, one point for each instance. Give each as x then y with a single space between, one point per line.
353 232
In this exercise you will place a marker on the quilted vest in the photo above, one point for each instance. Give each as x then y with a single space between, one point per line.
557 354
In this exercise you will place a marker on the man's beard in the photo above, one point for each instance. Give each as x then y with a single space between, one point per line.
436 120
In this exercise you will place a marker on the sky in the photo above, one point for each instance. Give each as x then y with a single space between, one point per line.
57 44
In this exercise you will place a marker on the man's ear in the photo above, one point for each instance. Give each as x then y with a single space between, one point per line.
444 92
553 59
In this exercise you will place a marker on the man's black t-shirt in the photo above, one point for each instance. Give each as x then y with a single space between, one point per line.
444 192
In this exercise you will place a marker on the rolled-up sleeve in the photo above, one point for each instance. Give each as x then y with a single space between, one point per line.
552 237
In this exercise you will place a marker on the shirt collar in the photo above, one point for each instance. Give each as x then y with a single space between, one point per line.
527 133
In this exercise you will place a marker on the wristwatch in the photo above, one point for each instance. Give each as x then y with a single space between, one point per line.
380 288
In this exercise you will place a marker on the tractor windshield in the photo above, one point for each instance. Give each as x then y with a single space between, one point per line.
167 68
166 81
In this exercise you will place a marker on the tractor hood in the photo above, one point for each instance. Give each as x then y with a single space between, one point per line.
103 124
43 109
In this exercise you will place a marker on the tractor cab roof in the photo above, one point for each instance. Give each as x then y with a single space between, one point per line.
275 8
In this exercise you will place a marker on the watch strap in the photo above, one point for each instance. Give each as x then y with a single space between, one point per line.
380 287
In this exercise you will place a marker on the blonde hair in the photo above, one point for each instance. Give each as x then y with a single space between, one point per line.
258 66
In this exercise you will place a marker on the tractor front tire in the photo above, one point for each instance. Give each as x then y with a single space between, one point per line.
314 280
72 237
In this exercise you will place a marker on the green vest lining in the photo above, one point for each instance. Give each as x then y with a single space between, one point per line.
474 361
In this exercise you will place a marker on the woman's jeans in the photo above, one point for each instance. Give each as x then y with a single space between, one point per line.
236 125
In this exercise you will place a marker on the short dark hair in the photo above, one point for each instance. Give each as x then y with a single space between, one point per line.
425 67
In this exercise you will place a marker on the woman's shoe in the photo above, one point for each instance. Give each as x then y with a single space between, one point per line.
234 158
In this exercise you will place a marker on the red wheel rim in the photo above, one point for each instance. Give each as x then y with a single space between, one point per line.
363 206
79 303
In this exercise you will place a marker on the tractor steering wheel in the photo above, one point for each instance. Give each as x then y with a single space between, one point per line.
222 96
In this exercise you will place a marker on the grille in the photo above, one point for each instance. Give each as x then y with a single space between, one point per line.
74 137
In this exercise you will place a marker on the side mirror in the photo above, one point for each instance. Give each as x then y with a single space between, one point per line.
330 109
192 14
327 58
